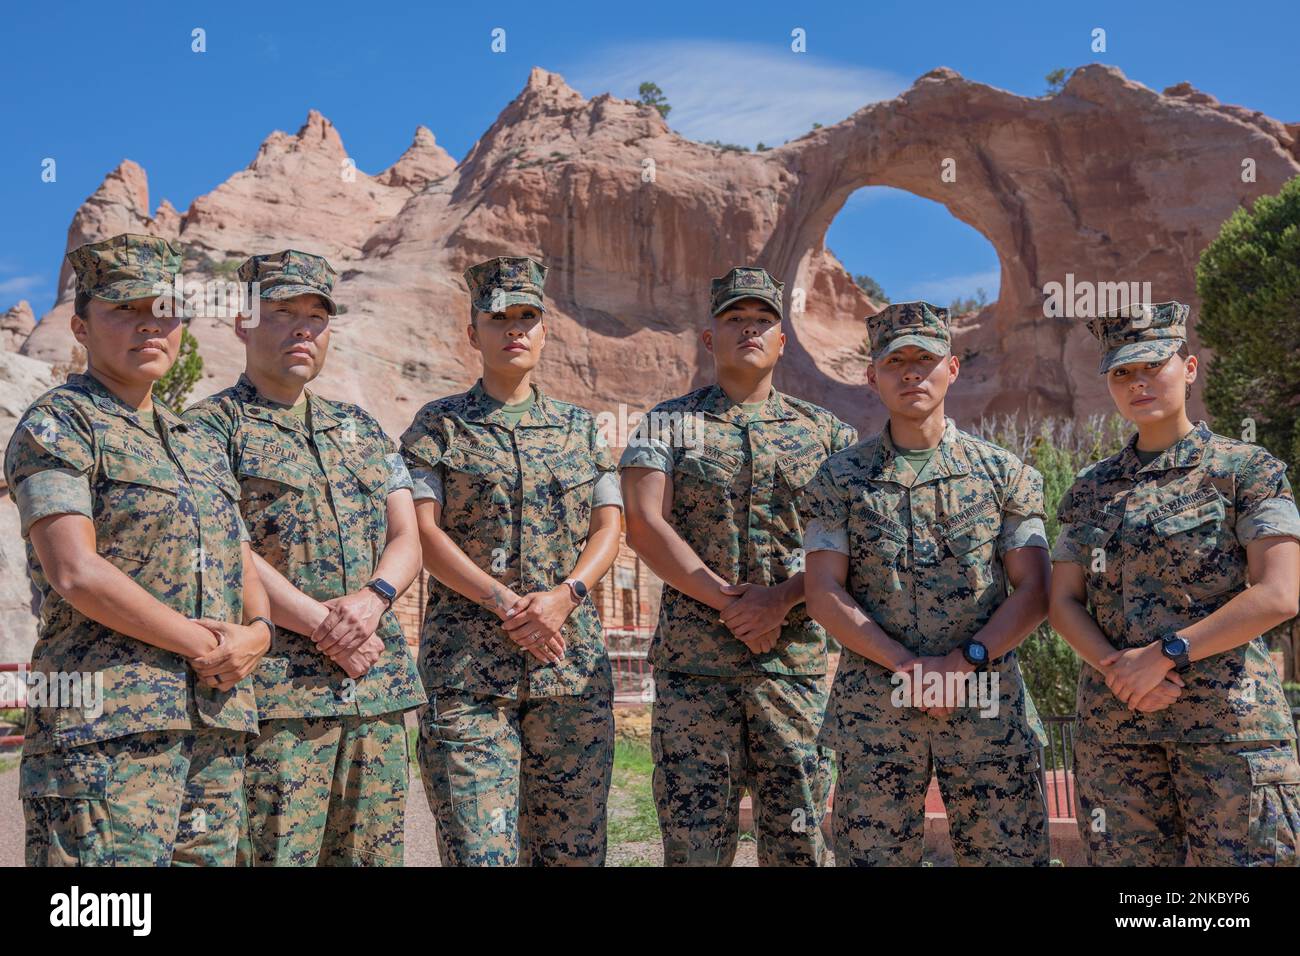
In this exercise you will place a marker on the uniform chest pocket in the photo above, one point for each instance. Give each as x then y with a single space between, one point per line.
1200 551
878 553
270 476
972 544
710 466
798 469
127 469
371 472
570 471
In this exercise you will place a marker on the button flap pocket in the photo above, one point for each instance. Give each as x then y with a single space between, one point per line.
122 465
799 468
1097 527
253 463
572 468
711 464
1275 765
883 527
972 525
477 458
1187 512
371 472
66 776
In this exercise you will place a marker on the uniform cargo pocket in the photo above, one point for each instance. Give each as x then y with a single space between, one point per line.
1274 826
66 806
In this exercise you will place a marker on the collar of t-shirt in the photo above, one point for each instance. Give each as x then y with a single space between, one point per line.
513 413
918 459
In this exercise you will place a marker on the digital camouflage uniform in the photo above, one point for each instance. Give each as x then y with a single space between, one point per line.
326 776
926 564
516 755
155 777
1211 779
725 718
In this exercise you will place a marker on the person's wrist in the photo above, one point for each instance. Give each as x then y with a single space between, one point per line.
1155 651
201 641
904 661
955 662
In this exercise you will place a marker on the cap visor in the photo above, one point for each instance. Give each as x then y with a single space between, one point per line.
507 300
1156 350
279 293
126 290
933 346
748 295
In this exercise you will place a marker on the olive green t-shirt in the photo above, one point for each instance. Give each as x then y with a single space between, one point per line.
918 459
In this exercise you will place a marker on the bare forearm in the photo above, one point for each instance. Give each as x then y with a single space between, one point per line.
1013 621
676 562
598 554
290 608
105 594
1248 615
400 562
256 602
450 565
834 609
1070 618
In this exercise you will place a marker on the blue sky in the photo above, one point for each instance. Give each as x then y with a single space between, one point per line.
89 88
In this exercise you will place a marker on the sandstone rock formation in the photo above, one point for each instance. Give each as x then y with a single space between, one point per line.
15 325
1106 180
22 379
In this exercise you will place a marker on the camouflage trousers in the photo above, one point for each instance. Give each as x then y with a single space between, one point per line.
150 799
327 791
997 813
518 781
1189 804
712 736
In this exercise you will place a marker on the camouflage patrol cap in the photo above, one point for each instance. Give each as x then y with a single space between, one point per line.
1139 332
909 323
125 267
504 281
283 275
744 282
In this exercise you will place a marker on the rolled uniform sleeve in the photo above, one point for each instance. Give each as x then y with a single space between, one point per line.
607 490
1022 513
646 449
48 465
399 477
243 528
823 509
1068 546
1265 503
422 451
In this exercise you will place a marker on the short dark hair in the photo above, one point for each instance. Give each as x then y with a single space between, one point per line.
1183 351
80 304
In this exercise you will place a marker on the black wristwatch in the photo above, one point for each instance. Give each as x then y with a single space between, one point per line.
976 654
1176 649
577 589
384 590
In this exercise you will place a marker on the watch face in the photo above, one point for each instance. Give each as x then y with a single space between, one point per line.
384 588
580 588
977 651
1177 646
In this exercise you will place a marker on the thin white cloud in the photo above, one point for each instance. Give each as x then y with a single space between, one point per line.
20 285
943 291
742 93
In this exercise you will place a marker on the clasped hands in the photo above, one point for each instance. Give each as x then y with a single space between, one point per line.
756 616
1142 677
535 621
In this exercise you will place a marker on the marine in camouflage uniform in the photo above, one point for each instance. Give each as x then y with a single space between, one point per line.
926 564
1212 778
726 719
155 776
326 776
516 755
